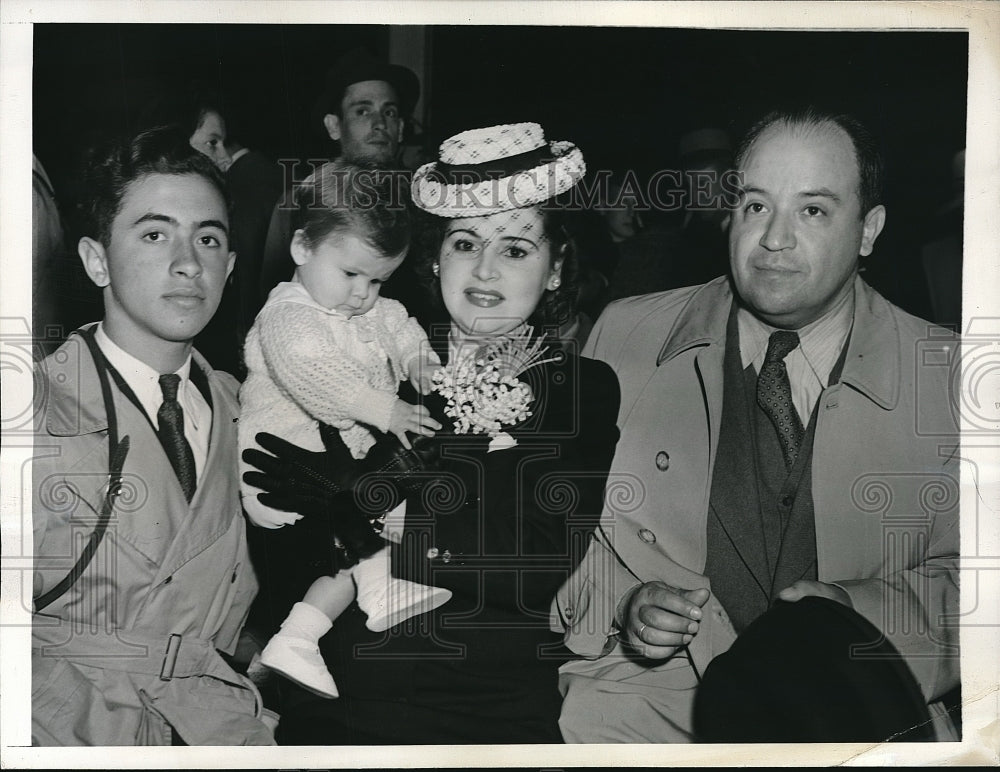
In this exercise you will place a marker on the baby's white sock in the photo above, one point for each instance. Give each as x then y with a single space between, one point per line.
306 622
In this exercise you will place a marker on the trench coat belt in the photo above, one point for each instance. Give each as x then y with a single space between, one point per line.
167 655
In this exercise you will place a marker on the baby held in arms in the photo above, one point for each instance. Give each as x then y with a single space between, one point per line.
327 351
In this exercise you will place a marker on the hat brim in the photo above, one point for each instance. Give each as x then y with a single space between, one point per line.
402 79
488 196
810 671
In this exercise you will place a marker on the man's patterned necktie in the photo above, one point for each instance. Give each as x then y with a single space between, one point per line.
774 394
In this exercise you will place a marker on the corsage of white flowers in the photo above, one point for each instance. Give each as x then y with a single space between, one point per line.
483 391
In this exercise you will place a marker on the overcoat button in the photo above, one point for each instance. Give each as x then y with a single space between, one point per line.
663 461
569 612
647 536
432 553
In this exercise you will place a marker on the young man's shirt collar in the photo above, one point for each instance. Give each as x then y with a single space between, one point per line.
145 382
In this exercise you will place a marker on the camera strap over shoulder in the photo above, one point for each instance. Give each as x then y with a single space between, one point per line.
117 451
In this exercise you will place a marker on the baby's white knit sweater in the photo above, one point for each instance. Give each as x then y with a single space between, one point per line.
307 363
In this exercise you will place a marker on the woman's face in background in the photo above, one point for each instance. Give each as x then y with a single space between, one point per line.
494 270
210 138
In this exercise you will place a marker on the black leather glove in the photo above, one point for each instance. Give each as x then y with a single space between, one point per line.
292 469
289 473
389 462
311 483
332 483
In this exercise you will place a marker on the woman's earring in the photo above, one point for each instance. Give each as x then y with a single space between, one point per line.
554 283
436 269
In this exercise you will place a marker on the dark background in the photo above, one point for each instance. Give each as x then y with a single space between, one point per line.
624 95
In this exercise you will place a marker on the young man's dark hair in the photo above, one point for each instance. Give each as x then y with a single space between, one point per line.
112 166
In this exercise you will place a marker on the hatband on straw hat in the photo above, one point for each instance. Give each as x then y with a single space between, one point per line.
495 169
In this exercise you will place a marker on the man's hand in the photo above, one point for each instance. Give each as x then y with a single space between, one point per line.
660 618
805 588
415 419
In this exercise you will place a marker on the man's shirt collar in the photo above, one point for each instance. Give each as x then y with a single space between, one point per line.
820 342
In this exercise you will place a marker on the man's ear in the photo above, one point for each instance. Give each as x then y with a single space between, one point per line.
95 261
399 134
332 124
231 265
300 250
873 223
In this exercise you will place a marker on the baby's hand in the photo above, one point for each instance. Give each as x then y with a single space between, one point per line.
415 419
422 374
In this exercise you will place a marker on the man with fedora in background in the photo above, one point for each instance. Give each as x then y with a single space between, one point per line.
363 108
784 565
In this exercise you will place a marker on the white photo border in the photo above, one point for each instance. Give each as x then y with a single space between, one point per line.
981 315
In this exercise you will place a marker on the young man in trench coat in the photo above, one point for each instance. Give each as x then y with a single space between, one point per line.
142 575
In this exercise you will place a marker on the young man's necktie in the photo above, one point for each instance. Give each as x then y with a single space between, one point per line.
170 418
774 394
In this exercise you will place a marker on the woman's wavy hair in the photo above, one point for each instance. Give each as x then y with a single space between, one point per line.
556 307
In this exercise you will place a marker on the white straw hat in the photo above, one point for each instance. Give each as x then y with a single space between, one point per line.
484 171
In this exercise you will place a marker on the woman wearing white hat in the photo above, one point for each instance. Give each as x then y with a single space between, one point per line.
501 503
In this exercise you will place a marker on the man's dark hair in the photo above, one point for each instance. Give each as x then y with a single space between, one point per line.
332 103
866 151
111 167
344 198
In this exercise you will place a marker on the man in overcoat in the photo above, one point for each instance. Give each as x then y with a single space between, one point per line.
142 575
787 433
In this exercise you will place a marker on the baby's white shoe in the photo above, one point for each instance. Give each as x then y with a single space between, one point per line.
299 660
294 650
387 600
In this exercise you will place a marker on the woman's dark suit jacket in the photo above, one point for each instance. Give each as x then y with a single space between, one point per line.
502 530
